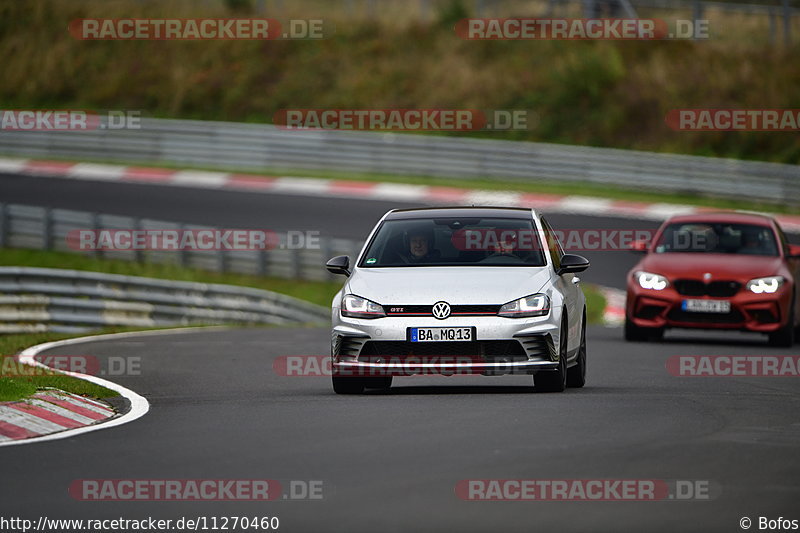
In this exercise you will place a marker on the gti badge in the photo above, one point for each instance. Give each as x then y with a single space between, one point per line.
441 310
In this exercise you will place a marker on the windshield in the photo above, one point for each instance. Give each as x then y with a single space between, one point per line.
455 242
718 238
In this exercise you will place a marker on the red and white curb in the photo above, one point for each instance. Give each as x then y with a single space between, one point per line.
139 406
51 425
49 411
572 204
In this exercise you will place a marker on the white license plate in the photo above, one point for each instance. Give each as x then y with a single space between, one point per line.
707 306
440 334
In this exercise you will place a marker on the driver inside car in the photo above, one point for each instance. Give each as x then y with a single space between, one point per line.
419 246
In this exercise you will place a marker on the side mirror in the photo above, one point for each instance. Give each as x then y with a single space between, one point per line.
572 263
794 251
639 247
339 265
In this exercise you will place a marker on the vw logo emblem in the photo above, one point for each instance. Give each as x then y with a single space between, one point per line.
441 310
707 277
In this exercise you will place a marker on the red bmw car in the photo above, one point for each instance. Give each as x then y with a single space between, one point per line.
715 271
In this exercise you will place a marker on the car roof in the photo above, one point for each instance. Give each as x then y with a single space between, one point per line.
733 217
460 211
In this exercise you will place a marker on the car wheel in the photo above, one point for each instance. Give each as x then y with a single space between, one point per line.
554 380
636 333
784 337
381 382
348 385
576 376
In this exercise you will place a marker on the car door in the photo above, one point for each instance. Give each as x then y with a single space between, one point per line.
567 284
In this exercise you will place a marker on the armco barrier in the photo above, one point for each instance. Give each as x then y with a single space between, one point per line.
46 299
230 145
42 228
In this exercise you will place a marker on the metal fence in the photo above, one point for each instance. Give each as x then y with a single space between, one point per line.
43 228
226 145
47 299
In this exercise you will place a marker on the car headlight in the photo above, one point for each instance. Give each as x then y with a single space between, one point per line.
357 307
648 280
767 285
533 305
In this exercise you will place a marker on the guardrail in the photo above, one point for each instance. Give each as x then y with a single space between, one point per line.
42 228
226 145
47 299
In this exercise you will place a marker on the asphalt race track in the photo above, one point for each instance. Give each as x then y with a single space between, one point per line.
390 461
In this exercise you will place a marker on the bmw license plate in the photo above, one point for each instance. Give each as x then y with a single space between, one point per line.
440 334
707 306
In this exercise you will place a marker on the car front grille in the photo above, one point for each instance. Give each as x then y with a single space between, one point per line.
427 310
678 315
348 346
765 316
649 312
538 345
478 351
718 289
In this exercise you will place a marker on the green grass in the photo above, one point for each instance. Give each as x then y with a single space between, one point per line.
318 292
595 93
19 381
16 384
595 304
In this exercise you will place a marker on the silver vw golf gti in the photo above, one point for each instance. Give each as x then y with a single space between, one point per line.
459 290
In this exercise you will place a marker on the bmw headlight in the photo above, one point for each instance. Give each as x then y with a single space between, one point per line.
648 280
533 305
357 307
766 285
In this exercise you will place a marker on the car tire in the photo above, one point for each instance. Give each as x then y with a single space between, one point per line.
784 337
380 382
576 376
635 333
348 385
554 380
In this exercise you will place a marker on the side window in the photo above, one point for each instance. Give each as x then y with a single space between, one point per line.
553 245
783 240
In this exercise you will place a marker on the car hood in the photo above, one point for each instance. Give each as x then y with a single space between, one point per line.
720 266
455 285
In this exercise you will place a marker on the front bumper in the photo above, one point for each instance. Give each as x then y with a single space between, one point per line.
380 347
763 313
